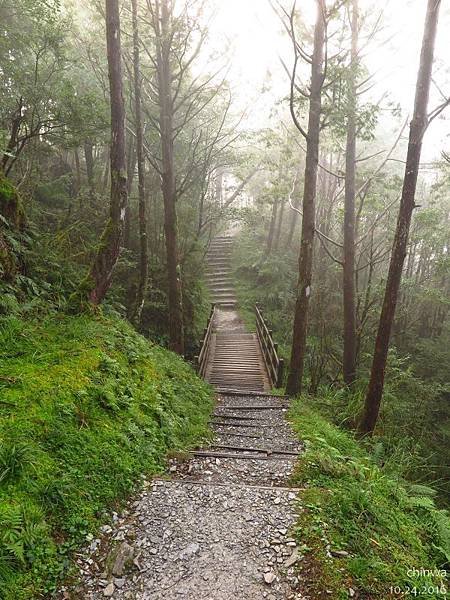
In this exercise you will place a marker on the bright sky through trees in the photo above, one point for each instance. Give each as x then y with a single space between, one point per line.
256 41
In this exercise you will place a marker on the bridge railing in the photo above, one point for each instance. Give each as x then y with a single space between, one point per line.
269 348
201 360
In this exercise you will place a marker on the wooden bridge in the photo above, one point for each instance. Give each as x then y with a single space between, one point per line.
231 357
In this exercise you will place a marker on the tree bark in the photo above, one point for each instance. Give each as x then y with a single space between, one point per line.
417 130
294 215
89 159
162 25
143 243
349 354
94 288
294 383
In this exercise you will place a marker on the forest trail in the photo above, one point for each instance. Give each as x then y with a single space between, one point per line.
218 525
235 358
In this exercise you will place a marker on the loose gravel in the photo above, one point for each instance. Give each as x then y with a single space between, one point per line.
216 527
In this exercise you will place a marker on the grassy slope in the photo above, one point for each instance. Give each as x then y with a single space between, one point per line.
86 407
387 526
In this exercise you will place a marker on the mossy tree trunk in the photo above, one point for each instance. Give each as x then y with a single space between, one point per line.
94 288
163 26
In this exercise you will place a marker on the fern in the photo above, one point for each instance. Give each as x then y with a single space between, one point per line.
417 489
442 523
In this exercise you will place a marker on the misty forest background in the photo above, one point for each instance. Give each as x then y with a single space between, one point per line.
197 164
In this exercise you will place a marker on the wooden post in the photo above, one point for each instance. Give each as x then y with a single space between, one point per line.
280 372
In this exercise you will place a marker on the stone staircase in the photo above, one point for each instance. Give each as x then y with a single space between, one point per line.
218 271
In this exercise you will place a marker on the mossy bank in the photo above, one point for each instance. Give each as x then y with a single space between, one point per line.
86 407
363 531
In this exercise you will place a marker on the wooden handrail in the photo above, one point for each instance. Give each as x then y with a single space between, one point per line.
202 359
274 364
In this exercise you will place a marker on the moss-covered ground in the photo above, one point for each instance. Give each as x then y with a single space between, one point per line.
87 406
360 528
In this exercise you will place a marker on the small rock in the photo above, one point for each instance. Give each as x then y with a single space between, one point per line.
277 500
109 590
123 557
351 592
269 577
119 582
292 559
190 550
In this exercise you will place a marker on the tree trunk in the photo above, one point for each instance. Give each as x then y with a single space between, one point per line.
89 159
271 233
294 383
162 24
279 226
294 215
349 355
143 243
107 160
77 172
417 130
94 288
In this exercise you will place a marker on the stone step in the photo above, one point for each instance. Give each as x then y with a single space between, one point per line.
218 262
220 289
211 274
219 277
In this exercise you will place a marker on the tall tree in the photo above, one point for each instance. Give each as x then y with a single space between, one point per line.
94 288
298 351
349 354
143 243
418 126
162 23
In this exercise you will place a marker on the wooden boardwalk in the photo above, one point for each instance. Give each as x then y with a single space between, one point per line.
236 361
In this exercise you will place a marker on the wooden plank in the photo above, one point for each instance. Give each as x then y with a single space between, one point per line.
250 449
206 454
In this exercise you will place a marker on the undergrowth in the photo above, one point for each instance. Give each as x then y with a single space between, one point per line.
389 537
86 407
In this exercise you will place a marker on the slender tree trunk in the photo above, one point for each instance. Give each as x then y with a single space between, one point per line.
279 226
417 130
271 233
143 243
294 383
349 358
94 288
77 171
131 168
163 30
89 159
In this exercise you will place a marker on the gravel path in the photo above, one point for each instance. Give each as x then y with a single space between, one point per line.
217 527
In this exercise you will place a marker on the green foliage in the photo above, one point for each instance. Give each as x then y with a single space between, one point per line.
79 394
349 503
